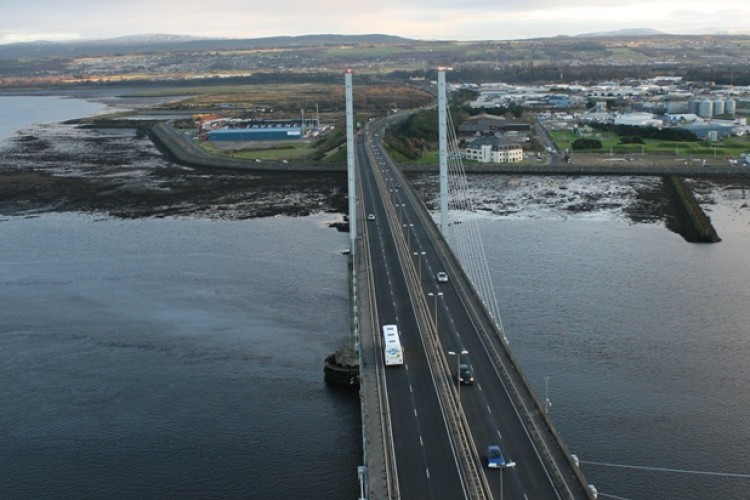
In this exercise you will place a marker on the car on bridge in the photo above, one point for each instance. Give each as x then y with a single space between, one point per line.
371 217
442 277
496 459
465 374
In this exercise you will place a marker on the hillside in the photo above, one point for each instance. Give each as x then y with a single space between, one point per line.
318 57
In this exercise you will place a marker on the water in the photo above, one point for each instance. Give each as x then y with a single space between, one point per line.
178 358
182 357
644 338
169 357
18 112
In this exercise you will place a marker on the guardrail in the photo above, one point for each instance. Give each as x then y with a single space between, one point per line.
385 485
535 420
473 480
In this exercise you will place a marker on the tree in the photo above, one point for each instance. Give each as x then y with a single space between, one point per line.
631 139
586 143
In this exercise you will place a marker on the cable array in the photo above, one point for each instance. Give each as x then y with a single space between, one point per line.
463 232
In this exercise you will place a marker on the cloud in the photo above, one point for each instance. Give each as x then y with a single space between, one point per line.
426 19
19 37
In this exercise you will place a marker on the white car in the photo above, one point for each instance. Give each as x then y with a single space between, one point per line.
442 277
371 217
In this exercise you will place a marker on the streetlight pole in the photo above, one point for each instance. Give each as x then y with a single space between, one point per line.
408 232
419 256
501 483
458 370
436 295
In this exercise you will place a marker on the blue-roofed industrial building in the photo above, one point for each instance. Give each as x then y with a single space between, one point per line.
238 129
255 134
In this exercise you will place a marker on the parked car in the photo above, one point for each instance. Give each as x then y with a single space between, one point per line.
496 459
442 277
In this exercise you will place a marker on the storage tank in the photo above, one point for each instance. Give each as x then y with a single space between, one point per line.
713 135
705 108
730 107
719 107
693 106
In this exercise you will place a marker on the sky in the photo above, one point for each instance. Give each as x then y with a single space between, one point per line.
30 20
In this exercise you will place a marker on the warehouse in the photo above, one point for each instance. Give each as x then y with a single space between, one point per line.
234 129
255 134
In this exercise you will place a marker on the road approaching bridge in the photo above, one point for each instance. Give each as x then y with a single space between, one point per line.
426 436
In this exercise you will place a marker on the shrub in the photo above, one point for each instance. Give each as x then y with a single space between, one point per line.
586 143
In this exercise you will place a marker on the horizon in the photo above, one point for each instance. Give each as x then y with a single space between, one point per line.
626 32
438 20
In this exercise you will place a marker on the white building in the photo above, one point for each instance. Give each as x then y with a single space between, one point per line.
638 119
493 150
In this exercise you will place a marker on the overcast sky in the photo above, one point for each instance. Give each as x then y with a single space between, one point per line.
27 20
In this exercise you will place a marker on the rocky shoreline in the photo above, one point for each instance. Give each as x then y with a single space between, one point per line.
131 170
122 173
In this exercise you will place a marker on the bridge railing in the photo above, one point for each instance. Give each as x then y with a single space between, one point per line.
474 482
381 477
559 462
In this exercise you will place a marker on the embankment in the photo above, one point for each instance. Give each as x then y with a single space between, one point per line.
690 210
181 149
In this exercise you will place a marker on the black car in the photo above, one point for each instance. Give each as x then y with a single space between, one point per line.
465 374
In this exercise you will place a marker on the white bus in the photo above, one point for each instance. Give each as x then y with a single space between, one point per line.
394 354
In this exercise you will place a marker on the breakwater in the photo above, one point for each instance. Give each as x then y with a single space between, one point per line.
593 168
689 209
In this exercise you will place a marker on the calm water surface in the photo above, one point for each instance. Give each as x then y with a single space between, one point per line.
173 358
182 357
646 342
18 112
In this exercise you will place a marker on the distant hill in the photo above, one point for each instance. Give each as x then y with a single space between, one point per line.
159 42
634 53
142 39
632 32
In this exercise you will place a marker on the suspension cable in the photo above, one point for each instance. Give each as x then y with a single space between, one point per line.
464 235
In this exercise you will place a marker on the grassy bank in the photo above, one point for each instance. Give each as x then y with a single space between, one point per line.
728 147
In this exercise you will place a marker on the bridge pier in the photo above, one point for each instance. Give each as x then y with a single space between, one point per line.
342 366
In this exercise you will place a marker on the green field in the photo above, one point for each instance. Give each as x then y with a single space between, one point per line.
728 147
291 151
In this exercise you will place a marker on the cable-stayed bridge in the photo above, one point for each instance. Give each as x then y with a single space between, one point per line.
425 435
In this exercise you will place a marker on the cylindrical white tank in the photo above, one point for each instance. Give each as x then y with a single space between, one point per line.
730 107
719 107
705 108
713 135
693 106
